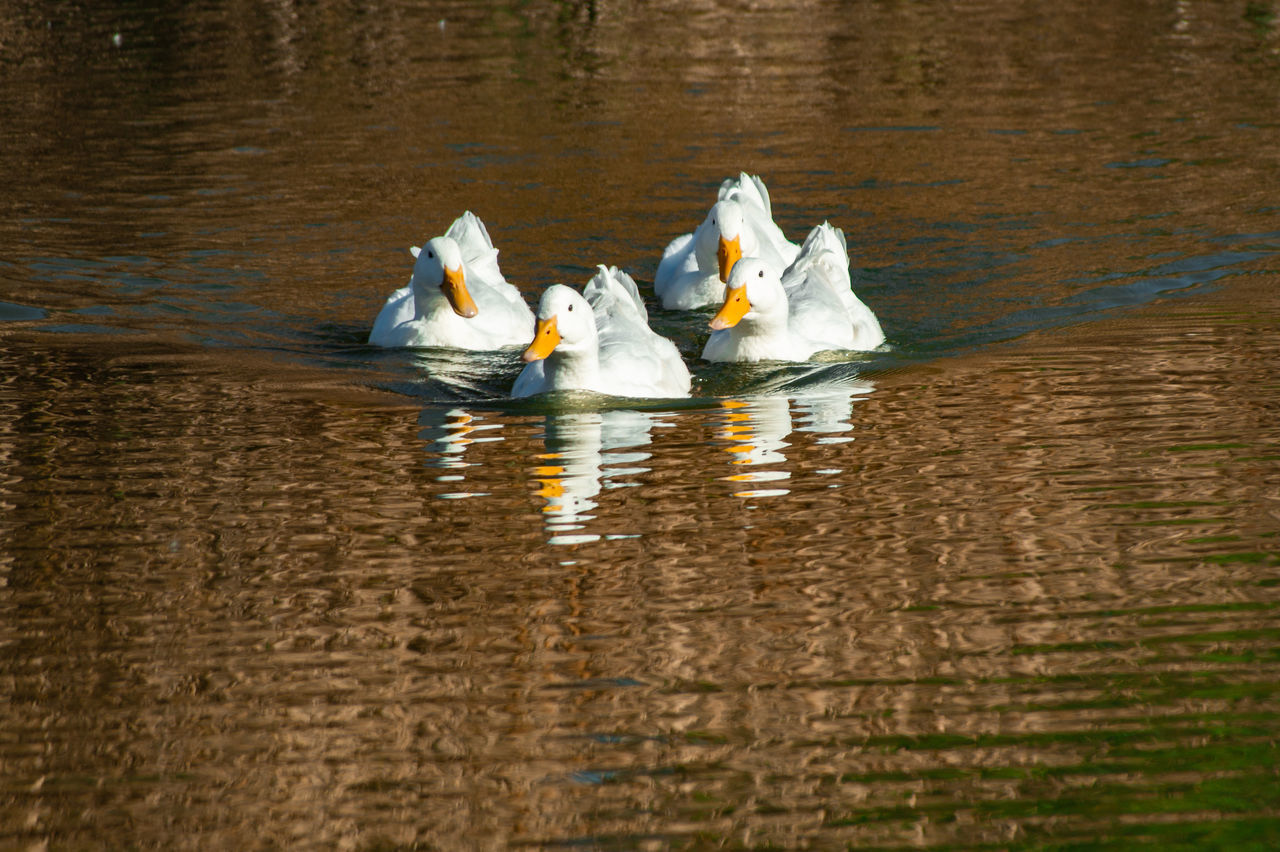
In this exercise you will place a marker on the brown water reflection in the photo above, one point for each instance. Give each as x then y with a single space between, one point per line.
1010 584
267 627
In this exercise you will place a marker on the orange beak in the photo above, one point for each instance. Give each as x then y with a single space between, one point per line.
735 307
546 337
455 290
729 253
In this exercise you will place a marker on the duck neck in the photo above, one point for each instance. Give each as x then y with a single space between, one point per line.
429 303
771 326
574 369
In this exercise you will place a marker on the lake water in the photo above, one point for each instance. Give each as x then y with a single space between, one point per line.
1011 583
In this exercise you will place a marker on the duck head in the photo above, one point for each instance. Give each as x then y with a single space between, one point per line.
438 269
753 291
565 323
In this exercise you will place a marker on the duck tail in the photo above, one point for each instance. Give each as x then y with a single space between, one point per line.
747 189
611 284
825 237
823 258
471 235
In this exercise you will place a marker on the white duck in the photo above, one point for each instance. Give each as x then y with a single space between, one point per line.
811 308
695 267
456 297
600 341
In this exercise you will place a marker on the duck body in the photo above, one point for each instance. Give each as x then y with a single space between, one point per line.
456 297
695 266
600 341
810 308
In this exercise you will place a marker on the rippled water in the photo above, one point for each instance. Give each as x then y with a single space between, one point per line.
1011 582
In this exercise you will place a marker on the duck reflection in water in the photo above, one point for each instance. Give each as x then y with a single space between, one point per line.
586 452
451 433
755 432
582 456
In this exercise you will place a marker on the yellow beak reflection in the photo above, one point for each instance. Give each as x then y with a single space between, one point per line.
552 486
546 337
728 253
455 290
735 307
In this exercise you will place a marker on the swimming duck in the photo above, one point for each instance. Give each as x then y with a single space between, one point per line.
456 296
695 267
600 341
810 308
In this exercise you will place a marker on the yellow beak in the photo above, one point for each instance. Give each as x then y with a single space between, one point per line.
729 253
455 290
546 337
735 307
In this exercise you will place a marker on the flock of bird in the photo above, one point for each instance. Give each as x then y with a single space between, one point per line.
778 301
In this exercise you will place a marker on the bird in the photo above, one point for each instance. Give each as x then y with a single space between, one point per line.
810 308
456 297
695 267
599 340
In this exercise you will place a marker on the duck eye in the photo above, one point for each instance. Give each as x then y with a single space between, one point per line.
431 255
571 307
760 274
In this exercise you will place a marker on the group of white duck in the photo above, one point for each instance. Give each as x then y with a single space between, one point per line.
778 301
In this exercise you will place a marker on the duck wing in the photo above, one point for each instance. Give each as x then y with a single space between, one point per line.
678 260
634 360
503 310
822 305
479 256
747 189
398 308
